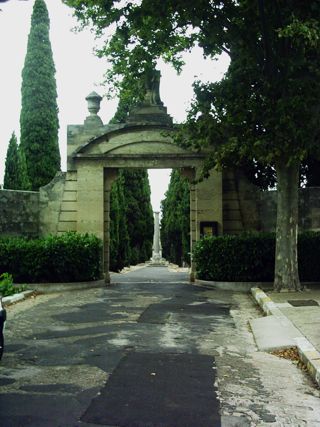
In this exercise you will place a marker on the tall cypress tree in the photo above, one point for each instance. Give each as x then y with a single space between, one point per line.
139 214
119 236
11 174
175 222
25 183
15 175
39 112
131 219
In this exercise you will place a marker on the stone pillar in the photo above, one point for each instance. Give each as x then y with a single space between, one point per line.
193 229
156 252
209 201
90 199
190 174
109 176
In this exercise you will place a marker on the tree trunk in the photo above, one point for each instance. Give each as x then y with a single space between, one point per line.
286 259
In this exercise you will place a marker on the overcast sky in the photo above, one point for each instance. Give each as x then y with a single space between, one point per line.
78 72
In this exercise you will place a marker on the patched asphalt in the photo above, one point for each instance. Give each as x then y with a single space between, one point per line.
151 350
140 336
148 389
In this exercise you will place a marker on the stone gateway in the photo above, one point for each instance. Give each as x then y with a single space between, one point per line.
81 200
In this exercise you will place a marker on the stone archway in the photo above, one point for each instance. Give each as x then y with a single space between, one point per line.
96 152
135 146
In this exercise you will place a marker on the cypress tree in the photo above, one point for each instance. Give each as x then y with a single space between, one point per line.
175 222
25 183
119 237
11 174
16 176
39 112
139 214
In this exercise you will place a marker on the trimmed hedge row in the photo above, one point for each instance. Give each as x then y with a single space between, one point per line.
70 257
250 257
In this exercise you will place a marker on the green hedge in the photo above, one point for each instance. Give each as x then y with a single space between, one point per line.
70 257
250 257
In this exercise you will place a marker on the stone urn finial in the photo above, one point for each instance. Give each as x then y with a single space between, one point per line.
93 100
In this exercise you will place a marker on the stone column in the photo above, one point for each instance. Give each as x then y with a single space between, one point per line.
193 229
190 174
156 253
109 176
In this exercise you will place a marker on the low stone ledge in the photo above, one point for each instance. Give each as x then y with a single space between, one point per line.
16 297
48 288
233 286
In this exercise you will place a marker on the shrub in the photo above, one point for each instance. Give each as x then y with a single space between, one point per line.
6 286
69 257
250 257
309 256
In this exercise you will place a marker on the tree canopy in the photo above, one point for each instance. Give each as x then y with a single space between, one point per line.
131 225
265 109
15 175
175 221
39 112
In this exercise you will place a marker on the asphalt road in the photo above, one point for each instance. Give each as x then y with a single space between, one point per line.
151 350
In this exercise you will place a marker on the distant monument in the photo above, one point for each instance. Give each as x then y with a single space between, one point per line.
156 249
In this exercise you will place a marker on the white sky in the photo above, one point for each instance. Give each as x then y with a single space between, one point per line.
78 72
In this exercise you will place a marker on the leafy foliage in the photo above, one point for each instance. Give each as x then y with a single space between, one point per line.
119 236
235 258
311 172
131 227
250 257
39 113
265 109
11 175
16 176
175 222
139 214
25 183
70 257
6 286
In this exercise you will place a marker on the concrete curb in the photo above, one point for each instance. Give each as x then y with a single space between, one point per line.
48 288
232 286
16 297
307 352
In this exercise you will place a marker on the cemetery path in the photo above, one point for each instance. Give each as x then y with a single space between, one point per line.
151 350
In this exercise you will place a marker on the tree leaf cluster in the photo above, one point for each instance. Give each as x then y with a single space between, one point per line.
131 219
70 257
249 257
16 175
266 108
39 111
175 221
267 104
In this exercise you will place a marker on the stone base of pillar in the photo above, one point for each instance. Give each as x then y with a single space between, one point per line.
107 278
157 261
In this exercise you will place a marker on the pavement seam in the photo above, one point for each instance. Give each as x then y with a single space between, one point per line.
307 352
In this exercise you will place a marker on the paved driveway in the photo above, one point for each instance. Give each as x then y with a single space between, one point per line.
149 351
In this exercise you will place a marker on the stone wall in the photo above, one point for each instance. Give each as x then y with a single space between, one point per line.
51 196
19 213
54 208
309 209
240 203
